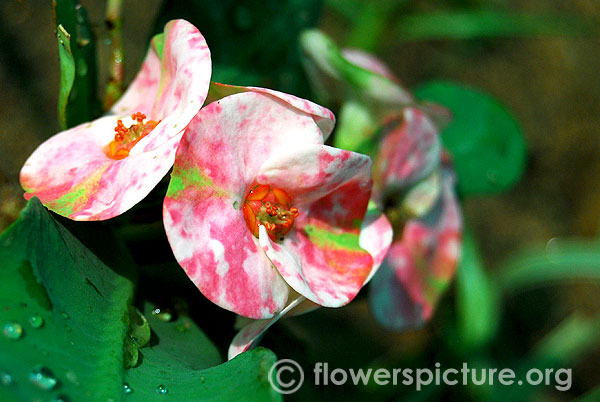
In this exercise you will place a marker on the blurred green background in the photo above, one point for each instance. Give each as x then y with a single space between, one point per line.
540 58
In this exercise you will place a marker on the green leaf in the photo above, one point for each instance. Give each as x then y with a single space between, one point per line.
485 140
559 261
77 324
67 73
486 23
82 103
244 378
48 274
477 298
569 341
560 349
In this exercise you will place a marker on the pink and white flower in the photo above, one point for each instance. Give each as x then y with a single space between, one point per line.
414 180
411 183
100 169
257 205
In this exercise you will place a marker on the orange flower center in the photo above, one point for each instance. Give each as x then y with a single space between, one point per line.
270 207
126 138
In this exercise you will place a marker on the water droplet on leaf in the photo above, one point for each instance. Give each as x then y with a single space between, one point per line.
43 378
36 321
162 314
5 379
161 389
12 330
127 389
139 329
71 376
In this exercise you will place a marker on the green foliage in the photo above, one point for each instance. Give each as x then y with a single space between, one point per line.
67 73
472 24
485 140
67 317
241 379
78 102
560 260
477 298
250 43
83 304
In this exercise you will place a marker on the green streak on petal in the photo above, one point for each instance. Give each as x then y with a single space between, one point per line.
158 43
324 238
78 196
184 178
66 204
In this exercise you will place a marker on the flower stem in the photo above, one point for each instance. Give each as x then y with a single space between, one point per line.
113 21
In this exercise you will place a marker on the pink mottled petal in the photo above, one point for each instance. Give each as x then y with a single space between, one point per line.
368 62
250 335
73 176
418 267
321 257
309 172
324 118
218 159
183 84
376 236
219 254
409 152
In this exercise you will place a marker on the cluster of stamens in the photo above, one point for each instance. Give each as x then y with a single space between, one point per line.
270 207
126 138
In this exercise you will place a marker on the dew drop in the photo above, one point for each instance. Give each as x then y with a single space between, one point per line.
43 378
161 389
202 379
127 389
36 321
5 379
12 330
67 328
162 314
72 377
65 315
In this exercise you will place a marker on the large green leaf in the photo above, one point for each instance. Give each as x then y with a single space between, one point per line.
48 275
82 104
168 372
67 314
485 140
